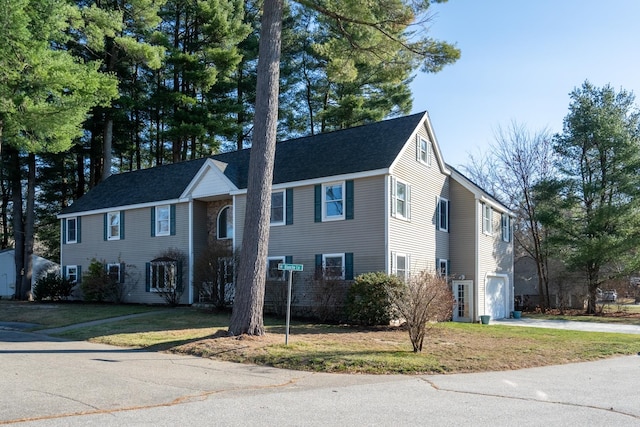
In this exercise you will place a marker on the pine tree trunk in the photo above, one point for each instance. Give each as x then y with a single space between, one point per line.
18 224
29 225
107 144
247 315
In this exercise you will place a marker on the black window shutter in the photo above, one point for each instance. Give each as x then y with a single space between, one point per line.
288 259
319 265
317 203
104 228
172 220
122 265
122 225
153 221
79 273
78 230
64 231
349 199
147 276
289 207
348 266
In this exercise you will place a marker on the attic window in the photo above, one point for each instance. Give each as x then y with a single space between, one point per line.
423 151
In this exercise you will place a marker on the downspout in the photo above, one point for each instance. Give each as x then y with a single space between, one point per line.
476 287
387 209
191 254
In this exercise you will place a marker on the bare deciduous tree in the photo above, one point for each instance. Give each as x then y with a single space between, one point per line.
517 161
424 300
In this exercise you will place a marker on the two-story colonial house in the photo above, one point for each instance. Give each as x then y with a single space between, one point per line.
377 197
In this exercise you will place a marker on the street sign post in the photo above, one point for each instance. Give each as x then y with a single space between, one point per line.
290 268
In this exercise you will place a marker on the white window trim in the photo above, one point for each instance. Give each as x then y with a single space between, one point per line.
487 221
228 237
281 260
394 199
326 217
394 264
111 236
443 263
324 263
114 264
159 231
67 274
446 202
284 208
505 222
75 218
426 151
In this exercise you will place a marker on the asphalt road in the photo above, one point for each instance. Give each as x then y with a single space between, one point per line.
49 382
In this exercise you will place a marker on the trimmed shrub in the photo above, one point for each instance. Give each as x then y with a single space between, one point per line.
53 287
369 299
96 285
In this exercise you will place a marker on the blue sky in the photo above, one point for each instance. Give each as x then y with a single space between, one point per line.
520 59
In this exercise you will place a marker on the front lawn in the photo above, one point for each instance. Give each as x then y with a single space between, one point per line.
449 348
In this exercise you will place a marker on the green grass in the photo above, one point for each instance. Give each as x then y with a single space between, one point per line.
448 348
53 315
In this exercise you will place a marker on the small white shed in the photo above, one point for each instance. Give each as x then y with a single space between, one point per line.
41 266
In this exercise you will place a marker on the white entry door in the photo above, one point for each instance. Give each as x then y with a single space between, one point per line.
463 295
495 297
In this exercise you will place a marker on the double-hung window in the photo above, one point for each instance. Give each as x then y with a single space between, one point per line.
272 268
424 150
72 230
487 219
72 273
400 265
333 201
333 266
115 272
443 267
278 208
113 225
400 199
443 214
506 227
163 220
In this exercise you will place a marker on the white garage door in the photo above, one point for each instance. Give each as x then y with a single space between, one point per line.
495 297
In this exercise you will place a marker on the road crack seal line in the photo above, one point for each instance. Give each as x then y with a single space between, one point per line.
528 399
177 401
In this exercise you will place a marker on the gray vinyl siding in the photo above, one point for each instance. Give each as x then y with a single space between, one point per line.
363 236
494 257
135 250
463 231
419 237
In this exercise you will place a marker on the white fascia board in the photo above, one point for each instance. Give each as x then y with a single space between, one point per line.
424 122
122 208
210 166
322 180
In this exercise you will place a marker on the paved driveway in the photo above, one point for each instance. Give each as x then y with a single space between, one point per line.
48 382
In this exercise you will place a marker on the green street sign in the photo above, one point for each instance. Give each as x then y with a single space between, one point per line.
290 267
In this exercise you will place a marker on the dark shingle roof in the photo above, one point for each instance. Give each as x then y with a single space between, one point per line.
165 182
358 149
